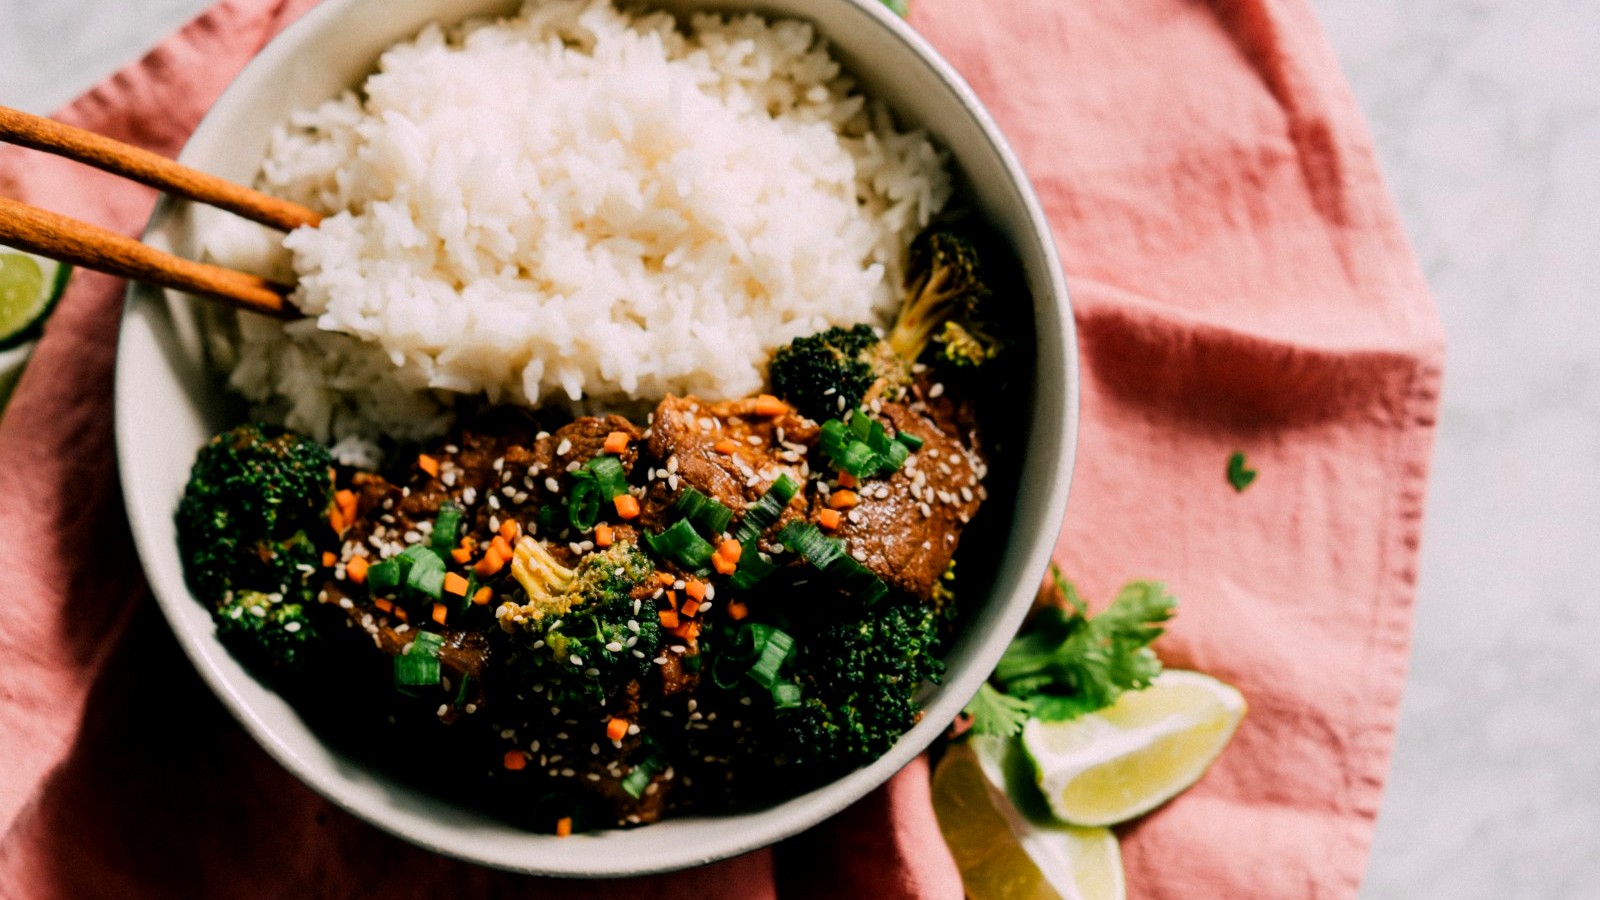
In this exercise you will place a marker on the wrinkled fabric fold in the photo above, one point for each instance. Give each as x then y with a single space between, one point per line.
1240 283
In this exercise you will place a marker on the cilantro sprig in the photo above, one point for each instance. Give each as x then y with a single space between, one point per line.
1068 663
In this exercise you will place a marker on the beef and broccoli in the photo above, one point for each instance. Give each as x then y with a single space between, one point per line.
725 606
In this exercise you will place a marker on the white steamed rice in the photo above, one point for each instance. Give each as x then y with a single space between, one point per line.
578 205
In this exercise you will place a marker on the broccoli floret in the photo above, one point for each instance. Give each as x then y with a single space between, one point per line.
830 371
944 283
968 346
265 632
253 513
859 679
943 315
579 631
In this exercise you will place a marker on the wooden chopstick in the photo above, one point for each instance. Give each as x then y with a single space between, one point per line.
157 171
92 247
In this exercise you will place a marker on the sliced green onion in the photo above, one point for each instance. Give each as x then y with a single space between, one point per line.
785 695
682 544
426 575
827 556
752 570
383 577
446 526
704 511
805 539
418 666
776 646
583 504
461 692
608 474
764 512
639 777
911 441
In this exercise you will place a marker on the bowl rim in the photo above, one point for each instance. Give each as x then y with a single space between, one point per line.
770 824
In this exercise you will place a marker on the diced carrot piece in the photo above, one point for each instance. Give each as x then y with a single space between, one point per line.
516 760
737 610
501 546
509 529
346 500
461 555
687 631
491 563
695 588
730 550
848 480
672 597
383 604
665 577
329 558
722 564
483 595
602 535
829 519
616 442
400 613
627 506
669 618
726 446
336 521
428 464
564 826
440 613
690 607
768 405
455 584
356 569
617 728
843 499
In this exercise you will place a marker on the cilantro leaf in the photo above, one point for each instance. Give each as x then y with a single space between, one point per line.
1069 664
995 713
898 7
1239 475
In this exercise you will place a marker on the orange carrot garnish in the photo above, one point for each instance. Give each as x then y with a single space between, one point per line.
627 506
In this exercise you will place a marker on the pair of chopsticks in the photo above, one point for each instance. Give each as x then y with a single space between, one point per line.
58 237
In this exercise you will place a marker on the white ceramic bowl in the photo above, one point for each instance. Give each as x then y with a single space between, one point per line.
168 404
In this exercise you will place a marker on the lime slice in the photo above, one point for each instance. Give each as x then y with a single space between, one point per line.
1002 852
29 288
1125 760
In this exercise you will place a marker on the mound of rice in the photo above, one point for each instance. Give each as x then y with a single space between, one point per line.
581 206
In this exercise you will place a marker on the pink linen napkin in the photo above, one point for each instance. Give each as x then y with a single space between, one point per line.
1240 283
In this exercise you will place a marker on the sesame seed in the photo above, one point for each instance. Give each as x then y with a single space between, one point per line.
638 655
936 391
345 603
494 502
614 647
470 708
591 673
660 660
575 659
469 495
509 735
443 709
552 485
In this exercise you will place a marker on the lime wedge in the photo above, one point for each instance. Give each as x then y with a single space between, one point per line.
29 288
1125 760
1004 853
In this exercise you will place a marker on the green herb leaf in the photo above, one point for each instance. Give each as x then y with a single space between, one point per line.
995 713
1068 663
899 7
1239 475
